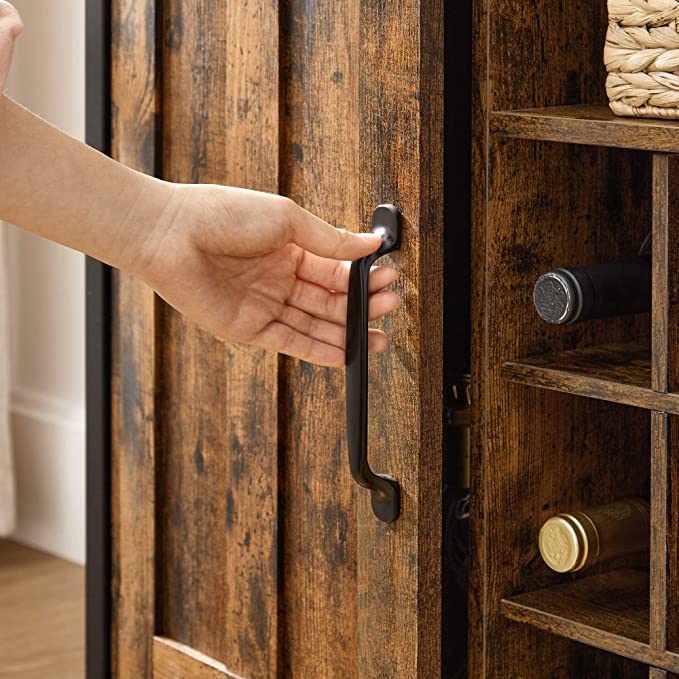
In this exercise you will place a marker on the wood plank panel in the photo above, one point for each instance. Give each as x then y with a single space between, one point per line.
401 161
660 274
319 169
192 499
659 566
251 379
592 124
218 482
135 105
216 476
478 558
671 471
668 302
665 438
191 395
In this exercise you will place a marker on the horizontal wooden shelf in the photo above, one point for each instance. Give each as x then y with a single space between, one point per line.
608 611
591 124
620 373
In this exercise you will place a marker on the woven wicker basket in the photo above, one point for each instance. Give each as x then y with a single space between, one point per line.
642 58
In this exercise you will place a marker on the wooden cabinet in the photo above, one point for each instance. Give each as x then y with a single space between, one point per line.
567 416
241 546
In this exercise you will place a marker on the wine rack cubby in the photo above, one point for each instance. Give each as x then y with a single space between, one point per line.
567 417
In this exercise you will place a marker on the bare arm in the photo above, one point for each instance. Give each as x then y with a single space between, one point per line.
248 266
57 187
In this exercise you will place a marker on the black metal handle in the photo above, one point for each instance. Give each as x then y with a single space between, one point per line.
385 491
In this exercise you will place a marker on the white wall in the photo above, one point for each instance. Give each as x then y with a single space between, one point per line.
47 315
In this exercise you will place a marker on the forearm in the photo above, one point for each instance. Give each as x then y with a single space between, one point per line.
57 187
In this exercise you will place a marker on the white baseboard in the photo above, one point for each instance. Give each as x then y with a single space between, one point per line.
49 460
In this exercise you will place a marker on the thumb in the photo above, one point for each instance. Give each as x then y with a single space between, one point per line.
317 236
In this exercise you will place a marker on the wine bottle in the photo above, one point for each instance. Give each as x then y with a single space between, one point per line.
571 542
615 288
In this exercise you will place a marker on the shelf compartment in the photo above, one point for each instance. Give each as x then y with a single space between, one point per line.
608 611
590 124
620 373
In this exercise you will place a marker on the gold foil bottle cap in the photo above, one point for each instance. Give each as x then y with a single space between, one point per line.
563 543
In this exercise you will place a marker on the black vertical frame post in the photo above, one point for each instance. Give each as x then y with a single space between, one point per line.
98 365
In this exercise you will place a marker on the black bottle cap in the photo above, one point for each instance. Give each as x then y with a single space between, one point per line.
558 297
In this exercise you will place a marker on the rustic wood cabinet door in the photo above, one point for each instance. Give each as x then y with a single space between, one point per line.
241 545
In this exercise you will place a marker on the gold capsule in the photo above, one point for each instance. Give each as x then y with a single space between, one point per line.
571 542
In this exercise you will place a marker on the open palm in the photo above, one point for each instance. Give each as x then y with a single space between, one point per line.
256 268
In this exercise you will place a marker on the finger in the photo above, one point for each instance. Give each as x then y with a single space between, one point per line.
286 340
327 332
332 306
313 234
334 275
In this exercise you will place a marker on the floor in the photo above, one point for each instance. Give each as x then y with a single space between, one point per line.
42 615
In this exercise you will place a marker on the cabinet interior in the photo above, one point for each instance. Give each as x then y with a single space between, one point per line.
567 417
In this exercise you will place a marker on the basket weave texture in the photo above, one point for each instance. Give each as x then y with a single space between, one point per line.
642 58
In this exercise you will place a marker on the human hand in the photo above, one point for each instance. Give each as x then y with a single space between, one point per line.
256 268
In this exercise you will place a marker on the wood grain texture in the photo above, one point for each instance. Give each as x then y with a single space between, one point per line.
671 520
401 161
619 373
251 379
614 604
42 626
478 558
191 396
624 364
609 611
665 439
342 174
660 484
537 206
671 515
660 274
592 124
319 157
668 299
545 451
218 481
192 499
252 92
172 660
135 131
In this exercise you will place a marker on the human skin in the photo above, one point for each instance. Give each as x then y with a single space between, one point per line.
247 266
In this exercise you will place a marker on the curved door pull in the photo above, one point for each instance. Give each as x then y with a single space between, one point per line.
384 490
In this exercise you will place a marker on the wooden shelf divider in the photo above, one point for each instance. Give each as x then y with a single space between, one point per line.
620 373
664 561
591 124
609 611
